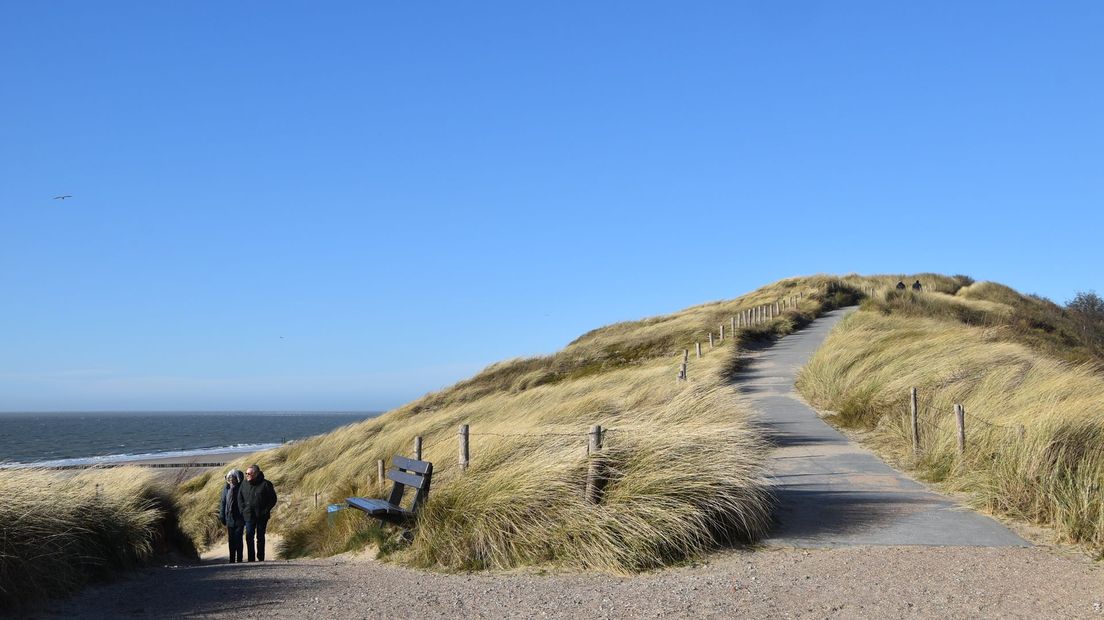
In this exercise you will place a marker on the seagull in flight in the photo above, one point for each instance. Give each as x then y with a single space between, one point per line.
63 197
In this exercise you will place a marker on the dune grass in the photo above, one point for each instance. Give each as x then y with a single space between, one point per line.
684 466
60 531
1030 388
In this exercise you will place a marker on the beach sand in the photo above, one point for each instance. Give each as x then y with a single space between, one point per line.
177 469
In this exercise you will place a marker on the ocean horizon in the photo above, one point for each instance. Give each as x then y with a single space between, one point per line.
61 438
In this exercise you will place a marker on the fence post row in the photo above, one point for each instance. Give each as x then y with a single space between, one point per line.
464 454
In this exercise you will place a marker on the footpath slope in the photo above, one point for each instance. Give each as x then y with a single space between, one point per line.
832 492
849 571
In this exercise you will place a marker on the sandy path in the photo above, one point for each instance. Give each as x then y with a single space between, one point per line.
874 582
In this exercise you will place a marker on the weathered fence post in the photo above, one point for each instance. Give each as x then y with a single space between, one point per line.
379 472
733 325
682 372
463 447
710 340
722 332
915 422
685 355
960 417
316 499
698 344
594 474
417 447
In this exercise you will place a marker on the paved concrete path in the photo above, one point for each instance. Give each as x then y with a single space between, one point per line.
833 493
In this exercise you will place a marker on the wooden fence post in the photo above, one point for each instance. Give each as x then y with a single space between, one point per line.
734 325
698 344
682 372
464 454
417 447
915 422
379 473
593 481
685 355
316 499
710 340
722 332
960 417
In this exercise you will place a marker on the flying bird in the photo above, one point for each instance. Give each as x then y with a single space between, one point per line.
62 197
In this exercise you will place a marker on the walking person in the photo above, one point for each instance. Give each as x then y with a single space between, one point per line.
257 497
230 514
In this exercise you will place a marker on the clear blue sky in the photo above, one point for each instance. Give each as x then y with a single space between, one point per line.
346 205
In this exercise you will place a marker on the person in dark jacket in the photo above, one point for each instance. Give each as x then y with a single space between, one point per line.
257 497
230 514
916 286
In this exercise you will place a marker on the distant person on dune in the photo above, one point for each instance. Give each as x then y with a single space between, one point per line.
900 285
230 513
916 286
257 496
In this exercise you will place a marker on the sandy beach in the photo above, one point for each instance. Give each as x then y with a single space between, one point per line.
174 469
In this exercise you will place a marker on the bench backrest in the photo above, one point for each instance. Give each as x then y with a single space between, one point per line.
406 472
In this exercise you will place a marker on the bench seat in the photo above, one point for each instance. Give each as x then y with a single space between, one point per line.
404 473
379 508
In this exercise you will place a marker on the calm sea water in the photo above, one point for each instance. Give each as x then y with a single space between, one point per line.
105 437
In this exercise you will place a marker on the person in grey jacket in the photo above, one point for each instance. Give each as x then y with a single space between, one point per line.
230 514
257 497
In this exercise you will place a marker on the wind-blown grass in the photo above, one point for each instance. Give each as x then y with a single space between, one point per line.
683 464
59 532
1035 423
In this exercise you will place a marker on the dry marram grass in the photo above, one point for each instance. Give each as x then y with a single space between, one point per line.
61 531
683 465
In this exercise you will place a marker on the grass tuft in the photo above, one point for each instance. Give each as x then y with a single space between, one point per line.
62 531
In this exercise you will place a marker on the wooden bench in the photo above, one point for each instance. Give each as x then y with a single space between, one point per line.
404 473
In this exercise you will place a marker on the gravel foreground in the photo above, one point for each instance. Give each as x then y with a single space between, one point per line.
875 582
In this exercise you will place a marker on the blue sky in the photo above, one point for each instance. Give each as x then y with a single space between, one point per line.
346 205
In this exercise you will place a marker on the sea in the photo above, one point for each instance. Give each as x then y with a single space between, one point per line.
105 437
